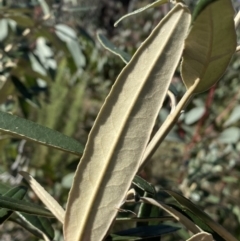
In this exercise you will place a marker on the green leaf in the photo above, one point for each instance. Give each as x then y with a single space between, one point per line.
112 48
187 204
23 206
25 129
209 46
144 185
143 232
31 229
122 130
21 20
230 135
151 5
41 223
16 193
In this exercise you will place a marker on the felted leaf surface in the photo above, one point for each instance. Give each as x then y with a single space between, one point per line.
122 130
210 45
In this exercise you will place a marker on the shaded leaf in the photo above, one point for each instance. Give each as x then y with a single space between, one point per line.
187 204
25 129
207 53
23 206
143 232
40 223
176 214
113 49
151 5
122 130
16 193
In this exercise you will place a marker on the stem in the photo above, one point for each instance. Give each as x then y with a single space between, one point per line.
167 125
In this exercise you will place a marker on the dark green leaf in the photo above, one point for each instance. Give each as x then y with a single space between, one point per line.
143 232
113 49
29 130
41 223
144 185
21 20
16 193
188 205
23 206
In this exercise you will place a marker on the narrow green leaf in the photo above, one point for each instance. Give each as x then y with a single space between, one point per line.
144 232
16 193
122 130
175 213
31 229
210 45
40 223
203 236
21 20
144 185
25 129
23 206
112 48
187 204
151 5
150 219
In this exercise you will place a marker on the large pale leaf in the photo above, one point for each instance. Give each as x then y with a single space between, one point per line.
122 130
25 129
210 44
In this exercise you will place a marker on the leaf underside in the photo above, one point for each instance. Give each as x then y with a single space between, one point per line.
122 130
209 46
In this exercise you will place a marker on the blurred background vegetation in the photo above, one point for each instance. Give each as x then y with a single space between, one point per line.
54 72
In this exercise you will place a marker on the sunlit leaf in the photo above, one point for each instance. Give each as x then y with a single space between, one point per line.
25 129
210 45
45 197
122 130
